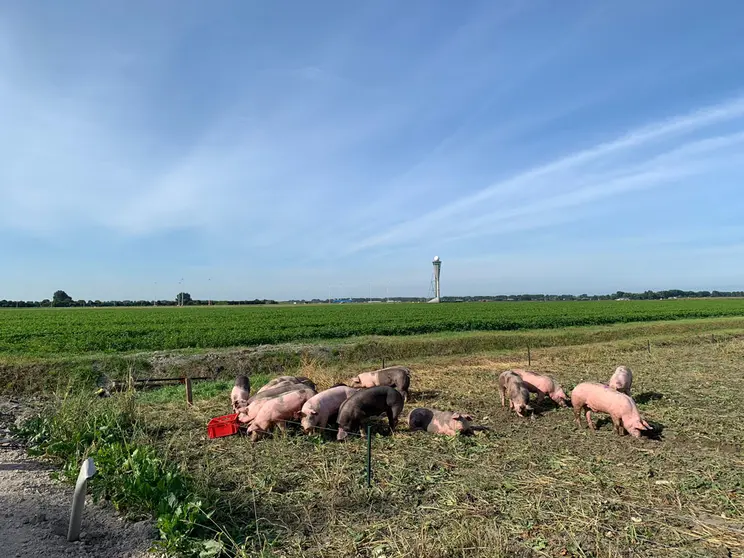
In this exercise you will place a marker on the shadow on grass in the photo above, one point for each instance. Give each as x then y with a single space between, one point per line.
654 434
648 396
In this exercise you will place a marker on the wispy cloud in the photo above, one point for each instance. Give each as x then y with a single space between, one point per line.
639 159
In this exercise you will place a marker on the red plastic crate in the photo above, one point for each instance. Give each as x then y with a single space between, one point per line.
226 425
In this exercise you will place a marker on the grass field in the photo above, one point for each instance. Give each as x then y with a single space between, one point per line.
79 331
525 488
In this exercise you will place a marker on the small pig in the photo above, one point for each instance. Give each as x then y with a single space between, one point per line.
240 393
511 385
439 422
542 385
398 377
591 396
368 403
317 410
276 411
622 379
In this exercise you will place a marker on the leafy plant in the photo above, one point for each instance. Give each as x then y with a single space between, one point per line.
133 477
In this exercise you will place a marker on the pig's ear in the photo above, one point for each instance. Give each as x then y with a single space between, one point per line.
529 408
467 417
456 416
312 412
646 425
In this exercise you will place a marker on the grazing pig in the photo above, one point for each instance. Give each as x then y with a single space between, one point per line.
591 396
439 422
398 377
622 379
240 393
511 385
278 410
368 403
318 409
542 385
248 413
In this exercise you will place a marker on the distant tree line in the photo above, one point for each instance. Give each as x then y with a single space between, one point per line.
62 299
619 295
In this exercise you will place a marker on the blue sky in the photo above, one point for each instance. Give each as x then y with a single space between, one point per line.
269 149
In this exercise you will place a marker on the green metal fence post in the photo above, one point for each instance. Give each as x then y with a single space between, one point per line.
369 455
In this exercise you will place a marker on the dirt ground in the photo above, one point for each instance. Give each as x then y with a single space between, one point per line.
35 509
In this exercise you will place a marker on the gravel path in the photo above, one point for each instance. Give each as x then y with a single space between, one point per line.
35 510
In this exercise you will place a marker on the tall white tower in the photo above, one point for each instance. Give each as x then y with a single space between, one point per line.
437 263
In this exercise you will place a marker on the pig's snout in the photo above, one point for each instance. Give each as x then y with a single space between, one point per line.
342 435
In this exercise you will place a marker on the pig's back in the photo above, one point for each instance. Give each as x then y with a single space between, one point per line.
543 383
603 398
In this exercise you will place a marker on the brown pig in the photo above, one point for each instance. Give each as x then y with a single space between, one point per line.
278 410
398 377
367 403
317 410
439 422
240 393
622 379
512 386
542 385
599 398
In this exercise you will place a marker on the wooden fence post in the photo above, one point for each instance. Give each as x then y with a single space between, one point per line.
189 393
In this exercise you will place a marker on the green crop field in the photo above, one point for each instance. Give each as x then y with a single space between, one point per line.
77 331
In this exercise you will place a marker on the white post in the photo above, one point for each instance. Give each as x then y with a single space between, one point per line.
87 470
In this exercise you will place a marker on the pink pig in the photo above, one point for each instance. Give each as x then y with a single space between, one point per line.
240 393
247 414
278 410
398 377
318 409
591 396
622 379
542 385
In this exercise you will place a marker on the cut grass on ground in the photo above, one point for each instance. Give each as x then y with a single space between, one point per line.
526 487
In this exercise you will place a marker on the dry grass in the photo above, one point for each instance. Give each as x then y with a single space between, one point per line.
527 487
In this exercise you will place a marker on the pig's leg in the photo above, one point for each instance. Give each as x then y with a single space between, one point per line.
577 415
617 426
391 419
502 390
540 396
589 420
